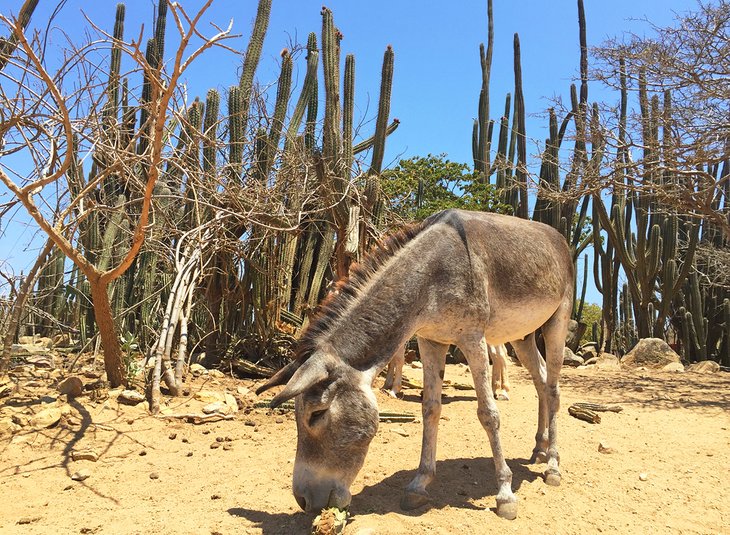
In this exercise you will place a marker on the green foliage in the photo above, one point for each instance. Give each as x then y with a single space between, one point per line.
591 314
419 186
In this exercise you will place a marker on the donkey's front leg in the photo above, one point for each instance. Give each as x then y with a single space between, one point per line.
475 351
433 357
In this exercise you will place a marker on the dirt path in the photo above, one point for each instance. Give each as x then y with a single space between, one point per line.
162 476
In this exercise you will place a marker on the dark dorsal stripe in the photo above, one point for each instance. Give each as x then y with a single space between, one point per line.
348 288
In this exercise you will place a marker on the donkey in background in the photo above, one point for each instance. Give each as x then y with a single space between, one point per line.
462 278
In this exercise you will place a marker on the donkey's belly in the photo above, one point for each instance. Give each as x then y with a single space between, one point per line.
516 322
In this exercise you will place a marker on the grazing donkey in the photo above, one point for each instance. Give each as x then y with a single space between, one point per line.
497 354
462 278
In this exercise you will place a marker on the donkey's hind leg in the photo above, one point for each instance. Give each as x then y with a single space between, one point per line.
554 332
433 357
531 359
500 381
475 350
394 379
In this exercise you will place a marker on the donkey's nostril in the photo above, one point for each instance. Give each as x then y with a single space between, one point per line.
302 502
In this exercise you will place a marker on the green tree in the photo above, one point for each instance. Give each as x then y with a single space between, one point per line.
419 186
591 314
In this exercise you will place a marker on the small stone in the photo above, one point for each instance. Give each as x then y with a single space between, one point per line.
28 520
571 359
189 454
217 406
227 446
172 436
250 423
643 476
231 402
673 367
242 390
81 475
603 447
208 396
279 420
215 445
198 369
130 397
184 440
219 439
154 475
704 366
400 431
72 386
85 455
142 453
46 418
215 497
216 373
130 421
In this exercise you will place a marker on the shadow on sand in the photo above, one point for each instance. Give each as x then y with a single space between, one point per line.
459 483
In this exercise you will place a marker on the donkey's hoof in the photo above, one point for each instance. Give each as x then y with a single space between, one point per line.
413 500
507 510
552 478
501 396
538 457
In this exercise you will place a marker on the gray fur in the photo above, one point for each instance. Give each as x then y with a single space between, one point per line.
463 278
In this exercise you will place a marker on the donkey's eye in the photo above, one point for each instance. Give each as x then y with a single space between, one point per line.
316 416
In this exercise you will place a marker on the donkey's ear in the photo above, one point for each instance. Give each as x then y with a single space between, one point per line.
313 371
281 377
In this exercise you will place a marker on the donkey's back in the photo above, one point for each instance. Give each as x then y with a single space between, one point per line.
507 274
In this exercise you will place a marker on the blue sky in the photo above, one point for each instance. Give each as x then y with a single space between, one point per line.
436 43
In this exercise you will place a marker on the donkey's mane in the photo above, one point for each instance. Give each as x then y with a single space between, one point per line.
349 287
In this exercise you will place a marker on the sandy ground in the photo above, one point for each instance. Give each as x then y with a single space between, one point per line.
162 476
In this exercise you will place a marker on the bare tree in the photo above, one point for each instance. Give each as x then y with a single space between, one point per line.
57 119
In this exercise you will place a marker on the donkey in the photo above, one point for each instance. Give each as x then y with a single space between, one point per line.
500 381
463 278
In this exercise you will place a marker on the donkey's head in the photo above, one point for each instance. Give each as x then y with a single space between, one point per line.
337 417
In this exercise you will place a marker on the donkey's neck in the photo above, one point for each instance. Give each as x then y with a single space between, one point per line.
381 318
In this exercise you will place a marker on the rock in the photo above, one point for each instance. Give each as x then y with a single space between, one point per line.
7 426
571 359
46 418
85 455
591 361
242 390
198 369
575 333
154 475
130 397
81 475
673 367
651 353
220 407
643 476
607 361
588 352
231 402
208 396
706 366
400 431
216 373
71 386
603 447
40 361
62 340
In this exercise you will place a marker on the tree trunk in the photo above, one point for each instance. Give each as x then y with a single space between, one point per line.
113 363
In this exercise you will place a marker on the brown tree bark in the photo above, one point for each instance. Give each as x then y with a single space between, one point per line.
113 360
